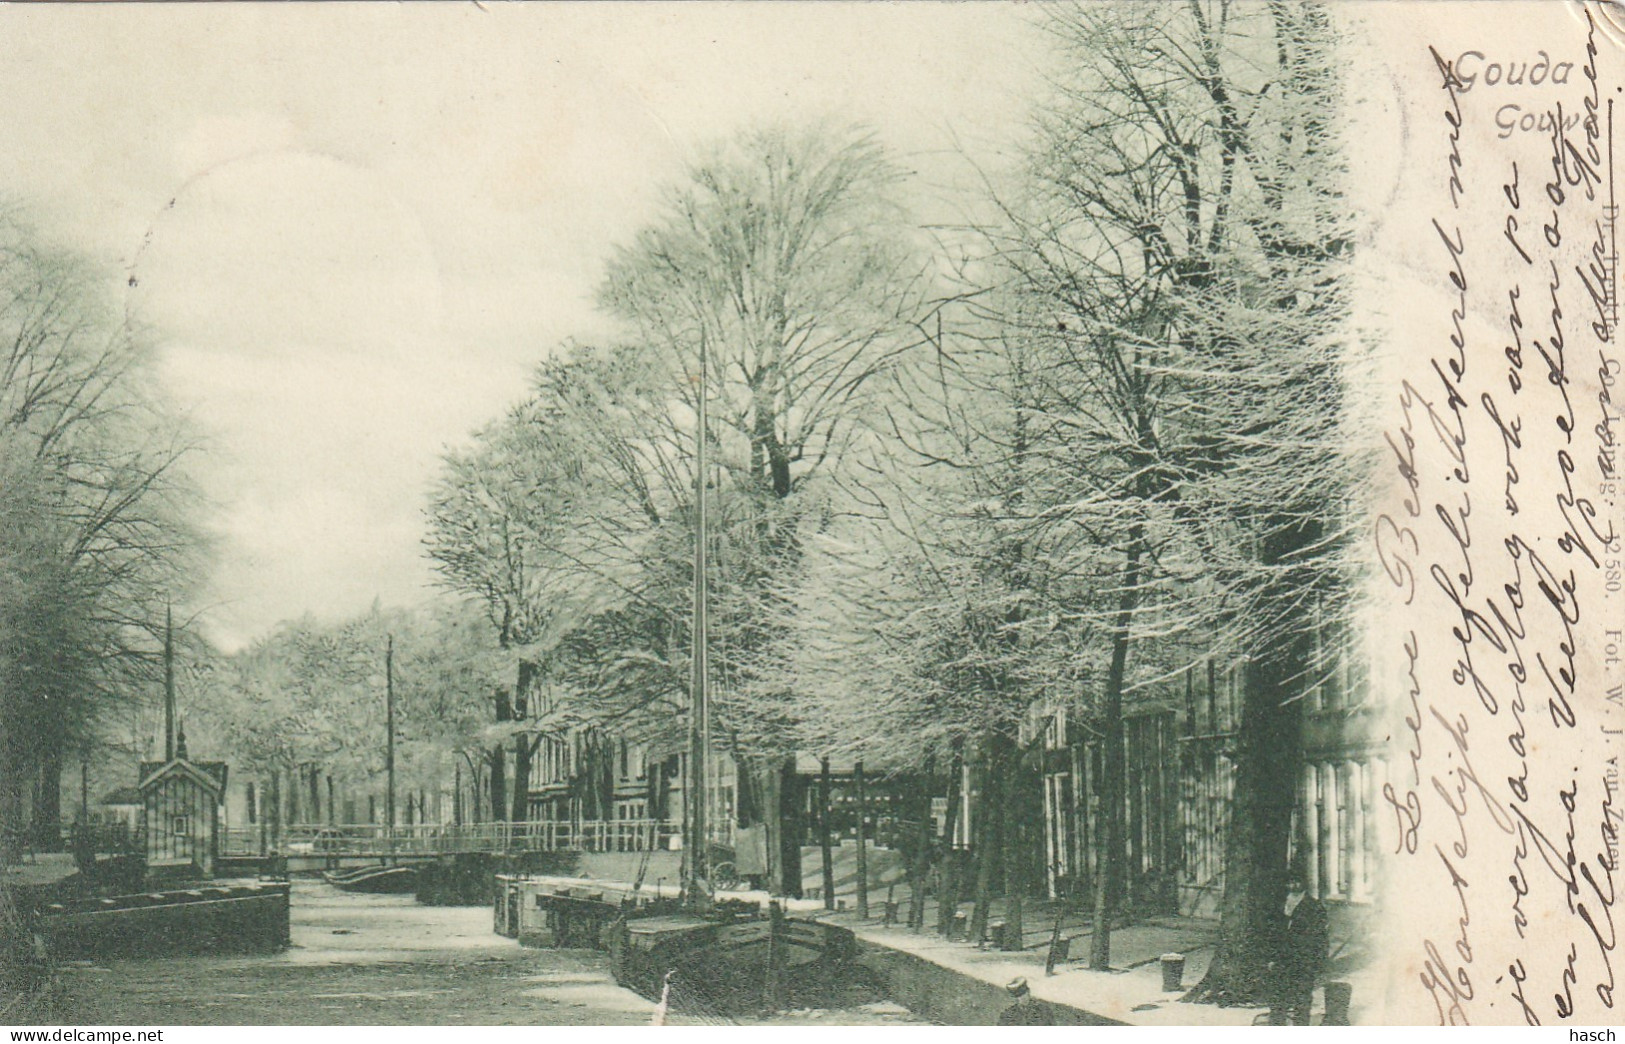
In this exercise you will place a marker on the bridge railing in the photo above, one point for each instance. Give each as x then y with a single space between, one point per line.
242 841
599 835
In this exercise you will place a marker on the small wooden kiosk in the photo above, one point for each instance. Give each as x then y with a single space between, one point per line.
181 799
180 802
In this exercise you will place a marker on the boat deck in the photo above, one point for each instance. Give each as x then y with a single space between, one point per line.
666 924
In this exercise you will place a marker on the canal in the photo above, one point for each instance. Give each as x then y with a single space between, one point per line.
382 960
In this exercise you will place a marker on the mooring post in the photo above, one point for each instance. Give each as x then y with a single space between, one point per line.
775 957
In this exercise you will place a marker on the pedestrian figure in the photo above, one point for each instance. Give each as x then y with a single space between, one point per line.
1304 948
1025 1011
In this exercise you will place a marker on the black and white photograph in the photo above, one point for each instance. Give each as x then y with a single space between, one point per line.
820 514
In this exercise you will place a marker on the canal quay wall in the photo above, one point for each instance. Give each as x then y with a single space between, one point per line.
958 983
955 981
951 996
950 982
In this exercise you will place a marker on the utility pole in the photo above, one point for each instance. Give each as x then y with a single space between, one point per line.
389 732
169 686
699 712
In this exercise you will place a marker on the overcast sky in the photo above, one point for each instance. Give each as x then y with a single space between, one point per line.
353 230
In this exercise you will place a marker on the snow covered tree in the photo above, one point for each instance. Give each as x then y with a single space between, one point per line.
96 524
785 259
1178 260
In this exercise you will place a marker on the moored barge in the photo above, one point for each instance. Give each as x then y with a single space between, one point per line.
386 880
244 918
738 956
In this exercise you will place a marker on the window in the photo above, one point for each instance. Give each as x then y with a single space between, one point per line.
179 825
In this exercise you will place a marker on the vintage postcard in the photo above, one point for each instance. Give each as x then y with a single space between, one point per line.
844 514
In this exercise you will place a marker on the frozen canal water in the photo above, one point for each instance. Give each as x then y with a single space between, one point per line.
379 960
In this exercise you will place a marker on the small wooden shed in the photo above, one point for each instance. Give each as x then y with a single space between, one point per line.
180 802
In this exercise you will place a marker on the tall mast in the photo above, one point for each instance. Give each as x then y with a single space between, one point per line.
169 686
700 711
389 732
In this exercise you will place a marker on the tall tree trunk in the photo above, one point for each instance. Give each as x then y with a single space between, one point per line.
773 825
1269 762
863 841
497 758
988 833
13 784
273 808
261 820
523 746
662 800
790 801
1108 882
948 896
315 781
496 768
523 749
1016 854
920 865
607 765
293 796
825 848
747 799
47 825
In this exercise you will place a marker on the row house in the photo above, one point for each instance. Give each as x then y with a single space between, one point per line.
1180 780
597 791
604 792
